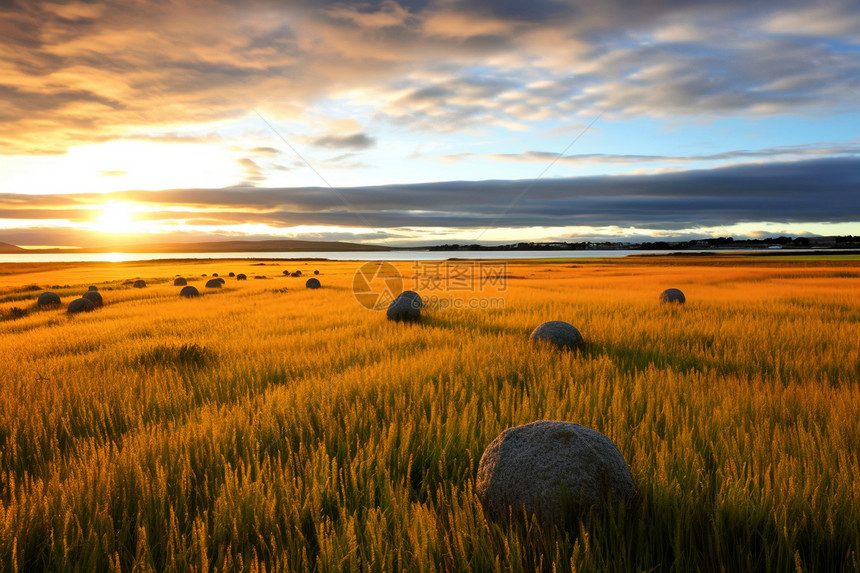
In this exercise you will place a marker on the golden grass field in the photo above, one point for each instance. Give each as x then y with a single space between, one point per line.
270 427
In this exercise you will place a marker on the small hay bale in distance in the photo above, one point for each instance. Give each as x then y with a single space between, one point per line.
552 470
560 334
179 282
286 273
214 274
48 298
405 308
213 283
92 288
672 295
316 272
312 283
241 277
296 274
231 274
139 283
189 292
80 305
94 297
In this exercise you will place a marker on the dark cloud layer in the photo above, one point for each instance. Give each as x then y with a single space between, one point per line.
783 192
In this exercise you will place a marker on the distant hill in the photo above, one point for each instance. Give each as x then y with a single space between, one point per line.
235 246
7 249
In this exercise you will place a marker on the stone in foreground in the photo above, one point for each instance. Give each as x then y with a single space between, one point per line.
551 470
48 299
558 333
189 292
673 295
94 297
80 305
405 308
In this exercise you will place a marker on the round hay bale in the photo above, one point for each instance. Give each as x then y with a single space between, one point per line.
404 309
558 333
673 295
80 305
551 469
180 282
231 274
189 292
296 274
241 277
139 283
214 274
316 272
286 273
312 283
213 283
49 299
92 288
94 297
221 280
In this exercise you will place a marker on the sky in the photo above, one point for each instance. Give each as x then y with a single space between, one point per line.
425 122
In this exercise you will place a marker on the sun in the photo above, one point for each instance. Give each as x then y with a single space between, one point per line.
115 218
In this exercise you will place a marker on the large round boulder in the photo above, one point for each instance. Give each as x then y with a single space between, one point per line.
404 309
94 297
673 295
241 277
139 283
413 296
213 283
48 299
80 305
189 292
558 333
312 283
179 281
551 470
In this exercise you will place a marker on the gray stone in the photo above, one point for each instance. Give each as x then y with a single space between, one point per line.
413 296
404 309
312 283
213 283
140 283
673 295
189 292
557 333
80 305
179 282
48 299
552 470
94 297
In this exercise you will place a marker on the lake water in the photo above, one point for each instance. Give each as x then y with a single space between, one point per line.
67 257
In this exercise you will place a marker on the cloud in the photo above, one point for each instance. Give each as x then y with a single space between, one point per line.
782 152
355 141
76 72
818 190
